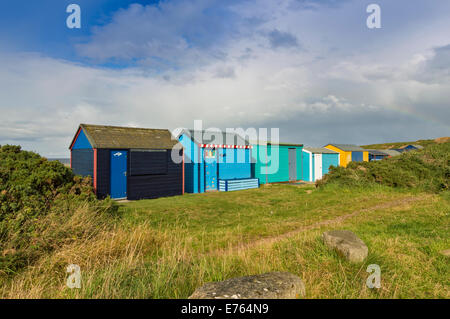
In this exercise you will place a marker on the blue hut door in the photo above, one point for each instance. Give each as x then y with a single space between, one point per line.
210 170
357 156
119 174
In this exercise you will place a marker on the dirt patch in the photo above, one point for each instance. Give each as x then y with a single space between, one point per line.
440 140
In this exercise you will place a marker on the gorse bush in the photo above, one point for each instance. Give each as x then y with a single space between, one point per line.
427 169
36 197
29 182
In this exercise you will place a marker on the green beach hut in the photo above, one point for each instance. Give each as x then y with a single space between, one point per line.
275 163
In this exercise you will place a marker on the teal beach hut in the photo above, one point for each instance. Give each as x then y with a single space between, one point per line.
275 163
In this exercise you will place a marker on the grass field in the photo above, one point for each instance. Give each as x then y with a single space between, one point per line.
167 247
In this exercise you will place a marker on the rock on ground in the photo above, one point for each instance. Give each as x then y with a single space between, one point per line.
273 285
347 244
446 252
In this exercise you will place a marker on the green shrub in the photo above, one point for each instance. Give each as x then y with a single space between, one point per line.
37 195
427 169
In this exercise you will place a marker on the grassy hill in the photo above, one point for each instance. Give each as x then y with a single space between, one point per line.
423 143
167 247
427 169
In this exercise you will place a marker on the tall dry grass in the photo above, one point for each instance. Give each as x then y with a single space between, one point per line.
87 238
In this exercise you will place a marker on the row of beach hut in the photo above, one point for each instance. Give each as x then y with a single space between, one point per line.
137 163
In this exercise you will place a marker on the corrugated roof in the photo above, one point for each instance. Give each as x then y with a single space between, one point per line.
391 152
271 143
377 152
216 137
348 147
319 150
102 136
285 144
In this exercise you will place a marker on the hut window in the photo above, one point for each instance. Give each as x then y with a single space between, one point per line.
148 162
210 153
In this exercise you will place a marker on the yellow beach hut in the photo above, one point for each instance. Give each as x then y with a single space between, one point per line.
349 153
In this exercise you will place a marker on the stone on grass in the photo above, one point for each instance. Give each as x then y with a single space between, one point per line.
272 285
446 252
347 244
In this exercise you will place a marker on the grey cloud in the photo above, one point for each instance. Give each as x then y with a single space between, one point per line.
437 68
246 55
280 39
441 59
225 72
316 4
360 126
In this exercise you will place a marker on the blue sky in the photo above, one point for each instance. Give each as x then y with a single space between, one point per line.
39 26
311 68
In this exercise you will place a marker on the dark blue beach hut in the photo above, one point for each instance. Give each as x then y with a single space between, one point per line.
376 155
128 162
411 147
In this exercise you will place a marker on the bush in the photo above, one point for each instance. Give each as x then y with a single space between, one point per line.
37 197
427 169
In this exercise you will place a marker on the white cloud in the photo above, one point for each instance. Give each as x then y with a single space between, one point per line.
167 35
